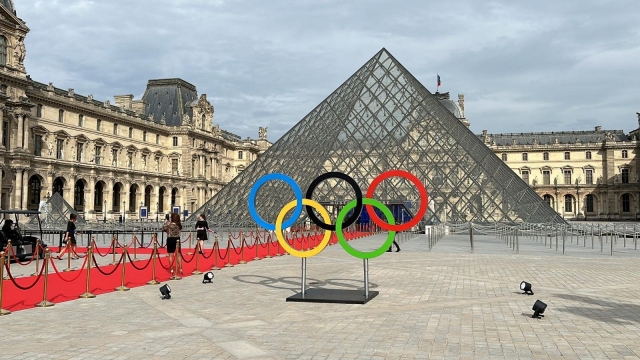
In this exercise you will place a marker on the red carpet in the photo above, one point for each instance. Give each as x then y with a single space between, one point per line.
25 292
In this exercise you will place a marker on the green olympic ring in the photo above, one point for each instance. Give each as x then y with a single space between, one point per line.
364 254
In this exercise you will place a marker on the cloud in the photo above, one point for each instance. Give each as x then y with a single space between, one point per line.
543 66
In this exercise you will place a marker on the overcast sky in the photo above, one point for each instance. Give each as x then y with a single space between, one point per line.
523 66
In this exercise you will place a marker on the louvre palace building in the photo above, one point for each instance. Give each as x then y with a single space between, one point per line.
108 159
582 175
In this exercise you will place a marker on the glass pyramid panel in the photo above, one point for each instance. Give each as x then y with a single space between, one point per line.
380 119
54 215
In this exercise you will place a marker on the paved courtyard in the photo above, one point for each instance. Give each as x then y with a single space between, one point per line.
444 302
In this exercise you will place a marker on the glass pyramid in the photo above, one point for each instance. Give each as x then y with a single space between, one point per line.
54 214
382 118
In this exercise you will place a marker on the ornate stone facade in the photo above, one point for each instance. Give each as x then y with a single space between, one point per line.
161 151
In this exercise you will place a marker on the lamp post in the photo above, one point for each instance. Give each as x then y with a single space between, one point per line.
104 211
184 211
124 211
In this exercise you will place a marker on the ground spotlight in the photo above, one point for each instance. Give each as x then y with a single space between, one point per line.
526 287
165 290
207 277
538 309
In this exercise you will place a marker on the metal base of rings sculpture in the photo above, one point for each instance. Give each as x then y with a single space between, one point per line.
343 221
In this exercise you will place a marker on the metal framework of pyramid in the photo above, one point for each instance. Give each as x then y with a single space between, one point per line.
382 118
55 214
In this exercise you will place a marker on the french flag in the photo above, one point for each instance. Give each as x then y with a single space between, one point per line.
439 83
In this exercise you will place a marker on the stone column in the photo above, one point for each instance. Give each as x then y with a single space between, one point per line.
25 120
18 144
17 189
25 189
1 169
89 199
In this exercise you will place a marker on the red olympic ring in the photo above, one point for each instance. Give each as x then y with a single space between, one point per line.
424 196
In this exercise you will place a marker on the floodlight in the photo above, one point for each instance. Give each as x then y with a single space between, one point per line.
165 290
207 277
538 309
526 287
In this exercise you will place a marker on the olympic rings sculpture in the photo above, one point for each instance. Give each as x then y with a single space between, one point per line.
342 221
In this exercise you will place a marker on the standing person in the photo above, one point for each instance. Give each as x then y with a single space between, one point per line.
173 236
394 243
202 227
70 236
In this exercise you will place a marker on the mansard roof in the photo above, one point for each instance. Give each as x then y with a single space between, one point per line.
168 99
549 138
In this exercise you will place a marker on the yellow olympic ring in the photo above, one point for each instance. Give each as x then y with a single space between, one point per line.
285 245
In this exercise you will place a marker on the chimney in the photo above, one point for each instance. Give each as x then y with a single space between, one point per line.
484 132
138 106
124 101
598 128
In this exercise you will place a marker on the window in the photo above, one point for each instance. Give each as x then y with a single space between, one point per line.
546 177
625 176
590 202
114 155
175 141
130 133
130 160
589 176
60 115
34 188
567 155
39 110
626 203
144 135
504 157
567 177
588 155
59 149
81 120
174 166
548 199
115 129
625 154
98 154
240 155
525 176
99 125
3 51
37 146
157 139
545 156
5 131
79 152
568 203
525 157
193 142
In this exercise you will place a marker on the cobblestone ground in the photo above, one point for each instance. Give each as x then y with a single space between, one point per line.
444 302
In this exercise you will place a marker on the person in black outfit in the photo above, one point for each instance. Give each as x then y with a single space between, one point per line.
70 236
202 227
12 233
396 244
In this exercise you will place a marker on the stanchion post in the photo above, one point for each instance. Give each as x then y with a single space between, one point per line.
114 241
216 251
45 302
87 294
135 247
243 245
154 257
68 257
268 249
228 264
2 259
198 250
471 234
8 262
122 287
257 243
37 255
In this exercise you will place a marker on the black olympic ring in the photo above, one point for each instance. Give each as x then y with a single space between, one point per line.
356 212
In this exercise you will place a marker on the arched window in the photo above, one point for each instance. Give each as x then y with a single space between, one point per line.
3 51
98 197
568 203
58 185
78 196
174 193
115 199
548 199
204 121
590 203
504 157
626 203
625 154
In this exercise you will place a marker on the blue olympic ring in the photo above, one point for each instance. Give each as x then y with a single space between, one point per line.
258 185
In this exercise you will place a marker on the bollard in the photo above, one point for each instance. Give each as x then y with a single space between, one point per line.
471 234
635 238
45 302
556 231
37 255
2 259
600 237
611 247
564 239
154 257
517 242
88 294
122 287
113 242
